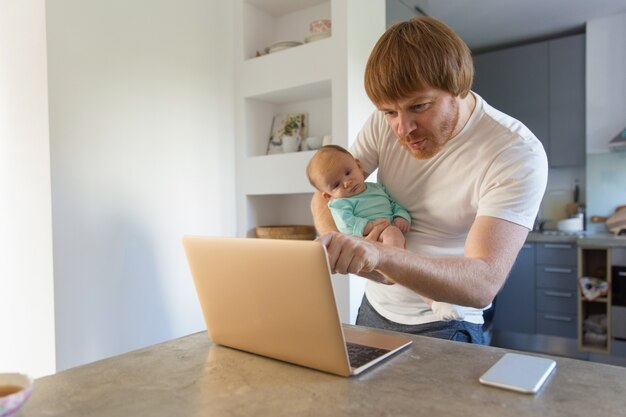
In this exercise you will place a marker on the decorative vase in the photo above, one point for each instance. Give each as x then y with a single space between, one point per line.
291 143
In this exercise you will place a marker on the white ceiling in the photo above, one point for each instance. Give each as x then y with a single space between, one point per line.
485 24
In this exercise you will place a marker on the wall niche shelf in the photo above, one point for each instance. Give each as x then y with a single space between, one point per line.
313 99
323 79
266 22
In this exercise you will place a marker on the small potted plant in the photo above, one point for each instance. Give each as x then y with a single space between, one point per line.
291 132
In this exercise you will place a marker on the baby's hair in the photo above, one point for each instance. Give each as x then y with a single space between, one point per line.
324 150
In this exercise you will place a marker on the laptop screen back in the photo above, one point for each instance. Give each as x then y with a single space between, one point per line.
269 297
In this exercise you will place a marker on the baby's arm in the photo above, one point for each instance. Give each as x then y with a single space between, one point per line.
342 211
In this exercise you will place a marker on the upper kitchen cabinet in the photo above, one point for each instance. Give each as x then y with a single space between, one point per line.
543 85
515 81
567 101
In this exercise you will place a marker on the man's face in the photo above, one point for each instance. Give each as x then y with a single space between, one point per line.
424 122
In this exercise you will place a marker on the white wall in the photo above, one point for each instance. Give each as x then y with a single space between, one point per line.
26 283
364 26
606 115
141 118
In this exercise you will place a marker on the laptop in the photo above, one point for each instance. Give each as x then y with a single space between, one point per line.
275 298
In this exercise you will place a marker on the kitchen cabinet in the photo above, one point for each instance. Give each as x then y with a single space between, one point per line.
536 309
567 101
515 81
541 84
540 307
556 289
539 296
600 325
515 305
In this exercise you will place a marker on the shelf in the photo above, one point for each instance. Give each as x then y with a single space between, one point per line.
301 65
277 174
595 262
269 21
594 349
313 99
323 79
597 300
264 210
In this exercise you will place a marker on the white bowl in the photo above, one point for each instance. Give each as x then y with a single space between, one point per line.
575 224
10 403
314 142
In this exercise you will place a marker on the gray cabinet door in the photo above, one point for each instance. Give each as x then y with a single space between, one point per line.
515 305
515 81
567 101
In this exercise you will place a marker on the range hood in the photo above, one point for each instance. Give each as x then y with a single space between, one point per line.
619 142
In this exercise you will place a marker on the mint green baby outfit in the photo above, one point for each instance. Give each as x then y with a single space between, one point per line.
351 214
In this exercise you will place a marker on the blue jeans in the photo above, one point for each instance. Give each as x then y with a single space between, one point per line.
460 331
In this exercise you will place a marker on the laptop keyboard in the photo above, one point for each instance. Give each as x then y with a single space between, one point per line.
359 355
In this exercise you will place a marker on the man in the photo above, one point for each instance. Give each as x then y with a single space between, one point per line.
471 177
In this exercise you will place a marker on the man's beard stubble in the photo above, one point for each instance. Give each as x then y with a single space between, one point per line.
434 142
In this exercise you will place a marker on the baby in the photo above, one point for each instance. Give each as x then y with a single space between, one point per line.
357 206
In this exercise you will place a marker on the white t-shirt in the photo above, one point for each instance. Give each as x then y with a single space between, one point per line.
493 167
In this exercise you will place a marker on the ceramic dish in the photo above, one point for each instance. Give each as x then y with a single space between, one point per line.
12 401
280 45
316 37
320 26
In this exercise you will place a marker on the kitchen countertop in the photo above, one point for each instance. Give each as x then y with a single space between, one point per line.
551 237
596 239
192 377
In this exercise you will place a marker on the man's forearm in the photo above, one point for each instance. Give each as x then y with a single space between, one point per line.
322 218
440 278
471 280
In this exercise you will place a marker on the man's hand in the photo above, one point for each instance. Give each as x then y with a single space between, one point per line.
348 254
402 224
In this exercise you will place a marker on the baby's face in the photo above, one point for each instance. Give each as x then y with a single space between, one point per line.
342 177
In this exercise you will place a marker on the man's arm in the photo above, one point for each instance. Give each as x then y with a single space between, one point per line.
472 280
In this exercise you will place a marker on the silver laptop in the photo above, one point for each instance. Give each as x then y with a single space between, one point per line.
275 298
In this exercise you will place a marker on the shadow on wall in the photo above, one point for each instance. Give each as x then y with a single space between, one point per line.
116 302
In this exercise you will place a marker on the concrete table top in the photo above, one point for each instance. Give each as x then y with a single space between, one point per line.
192 377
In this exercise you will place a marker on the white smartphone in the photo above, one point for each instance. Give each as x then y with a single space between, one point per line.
522 373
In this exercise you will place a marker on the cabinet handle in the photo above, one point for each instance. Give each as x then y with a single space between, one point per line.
558 270
528 246
557 246
557 318
558 294
621 274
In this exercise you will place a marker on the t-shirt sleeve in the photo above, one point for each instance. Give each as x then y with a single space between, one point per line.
514 185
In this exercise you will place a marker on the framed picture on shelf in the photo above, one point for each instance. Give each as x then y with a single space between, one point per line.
287 133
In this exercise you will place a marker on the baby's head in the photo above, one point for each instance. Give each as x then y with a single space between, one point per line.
336 173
